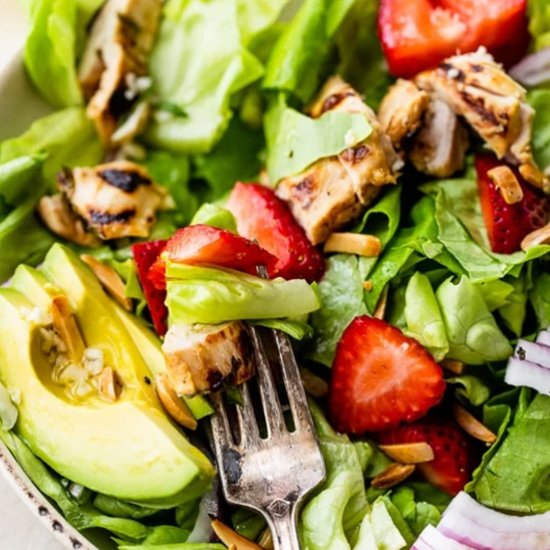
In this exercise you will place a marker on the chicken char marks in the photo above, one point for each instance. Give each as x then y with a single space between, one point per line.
335 190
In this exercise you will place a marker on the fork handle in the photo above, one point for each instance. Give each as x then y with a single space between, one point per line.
281 517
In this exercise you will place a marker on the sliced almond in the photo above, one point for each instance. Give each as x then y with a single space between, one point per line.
393 475
409 453
471 425
108 386
109 279
367 286
66 326
530 172
453 365
354 243
313 384
231 538
266 539
173 404
381 306
539 236
506 183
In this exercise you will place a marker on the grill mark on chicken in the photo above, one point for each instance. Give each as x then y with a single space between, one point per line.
478 105
333 100
355 154
304 192
105 218
127 181
216 379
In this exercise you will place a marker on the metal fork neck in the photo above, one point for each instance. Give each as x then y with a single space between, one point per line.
281 517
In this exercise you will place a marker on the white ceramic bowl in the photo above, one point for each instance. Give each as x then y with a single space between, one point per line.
20 105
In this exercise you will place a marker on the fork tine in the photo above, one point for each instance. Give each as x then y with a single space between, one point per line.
271 406
248 428
220 423
295 389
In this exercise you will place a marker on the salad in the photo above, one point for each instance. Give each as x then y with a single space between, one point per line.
386 163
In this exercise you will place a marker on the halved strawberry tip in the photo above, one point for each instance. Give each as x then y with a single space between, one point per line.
380 378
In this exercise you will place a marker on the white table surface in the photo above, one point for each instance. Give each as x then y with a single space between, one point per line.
19 529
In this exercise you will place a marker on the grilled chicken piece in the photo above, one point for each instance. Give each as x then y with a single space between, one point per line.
494 105
120 41
203 358
115 200
56 213
402 110
334 191
438 148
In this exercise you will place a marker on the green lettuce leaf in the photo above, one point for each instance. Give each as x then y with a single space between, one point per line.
176 546
540 101
298 61
201 72
513 313
208 295
515 478
470 388
539 22
67 137
295 141
14 177
56 29
473 334
423 316
495 293
539 296
216 216
341 293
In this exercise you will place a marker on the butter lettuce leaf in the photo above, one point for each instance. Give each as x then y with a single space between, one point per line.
341 294
295 141
539 296
216 216
423 316
540 101
208 295
474 336
539 22
514 312
470 388
199 62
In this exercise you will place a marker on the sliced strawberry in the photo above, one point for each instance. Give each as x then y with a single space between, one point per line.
145 255
454 453
263 216
508 224
419 34
380 378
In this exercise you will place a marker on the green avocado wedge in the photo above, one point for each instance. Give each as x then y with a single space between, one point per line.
129 448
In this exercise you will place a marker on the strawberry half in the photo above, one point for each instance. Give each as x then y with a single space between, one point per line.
205 245
508 224
264 217
145 255
380 378
454 453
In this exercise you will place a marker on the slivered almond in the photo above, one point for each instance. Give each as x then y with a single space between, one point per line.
367 285
452 365
380 309
313 384
506 183
231 538
409 453
354 243
266 540
539 236
107 385
109 279
174 405
393 475
532 174
66 326
471 425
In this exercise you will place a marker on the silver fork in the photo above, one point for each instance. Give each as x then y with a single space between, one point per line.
269 474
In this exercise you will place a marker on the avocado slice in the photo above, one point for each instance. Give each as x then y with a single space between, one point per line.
128 449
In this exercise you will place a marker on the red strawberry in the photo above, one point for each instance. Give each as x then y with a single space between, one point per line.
508 224
454 453
380 378
145 255
263 216
205 245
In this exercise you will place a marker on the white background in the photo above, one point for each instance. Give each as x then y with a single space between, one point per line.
19 530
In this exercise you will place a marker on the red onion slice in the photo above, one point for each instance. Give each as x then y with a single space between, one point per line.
481 528
534 69
525 373
533 352
544 338
432 539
